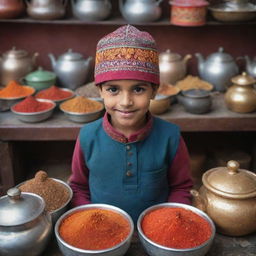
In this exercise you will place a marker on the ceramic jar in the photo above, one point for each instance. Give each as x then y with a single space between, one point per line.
25 227
10 9
15 64
172 67
228 196
188 12
241 96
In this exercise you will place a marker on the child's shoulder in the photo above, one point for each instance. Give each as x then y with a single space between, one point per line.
92 126
162 124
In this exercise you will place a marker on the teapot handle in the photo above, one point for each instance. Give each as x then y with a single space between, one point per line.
198 200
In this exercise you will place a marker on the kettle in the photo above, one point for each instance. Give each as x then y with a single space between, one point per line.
71 69
11 9
217 69
91 10
15 64
25 226
172 67
46 9
250 66
140 11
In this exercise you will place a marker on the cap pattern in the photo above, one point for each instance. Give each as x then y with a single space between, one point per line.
127 53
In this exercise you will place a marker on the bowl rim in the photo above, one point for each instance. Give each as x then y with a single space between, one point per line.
20 97
176 205
34 113
94 206
60 100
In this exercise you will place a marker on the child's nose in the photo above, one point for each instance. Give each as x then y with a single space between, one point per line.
126 100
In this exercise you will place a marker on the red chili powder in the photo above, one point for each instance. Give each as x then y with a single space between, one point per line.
176 228
30 104
53 93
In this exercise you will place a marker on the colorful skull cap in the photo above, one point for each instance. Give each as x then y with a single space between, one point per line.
127 53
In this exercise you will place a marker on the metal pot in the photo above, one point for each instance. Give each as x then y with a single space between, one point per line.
15 64
241 96
46 9
172 67
217 69
71 69
228 196
25 227
139 11
91 10
10 9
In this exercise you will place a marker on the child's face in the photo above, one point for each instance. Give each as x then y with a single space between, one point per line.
127 101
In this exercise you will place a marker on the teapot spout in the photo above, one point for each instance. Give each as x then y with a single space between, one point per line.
34 57
247 61
197 200
186 58
53 60
88 61
201 61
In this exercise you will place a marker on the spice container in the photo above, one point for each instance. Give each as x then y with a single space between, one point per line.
188 12
25 227
193 231
109 231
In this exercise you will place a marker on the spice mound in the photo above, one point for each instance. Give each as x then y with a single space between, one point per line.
176 228
30 105
193 82
94 229
15 90
168 89
54 193
54 93
81 104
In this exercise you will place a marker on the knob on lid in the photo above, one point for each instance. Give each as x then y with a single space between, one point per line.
17 207
220 56
230 181
70 55
14 53
169 56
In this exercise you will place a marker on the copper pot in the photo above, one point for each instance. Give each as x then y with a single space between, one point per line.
228 196
10 9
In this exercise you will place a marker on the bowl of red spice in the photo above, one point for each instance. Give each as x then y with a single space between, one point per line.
33 110
174 229
94 229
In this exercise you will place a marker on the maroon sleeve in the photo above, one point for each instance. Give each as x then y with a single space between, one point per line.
78 180
180 180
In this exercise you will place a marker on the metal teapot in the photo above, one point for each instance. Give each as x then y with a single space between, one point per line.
15 64
250 66
139 11
11 9
71 69
217 69
228 196
91 10
241 96
172 66
46 9
25 226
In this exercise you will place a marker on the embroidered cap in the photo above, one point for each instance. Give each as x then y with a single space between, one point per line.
127 53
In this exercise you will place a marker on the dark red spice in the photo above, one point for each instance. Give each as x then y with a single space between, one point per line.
53 93
30 104
176 228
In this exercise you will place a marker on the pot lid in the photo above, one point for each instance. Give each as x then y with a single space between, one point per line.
14 53
196 93
17 207
40 75
194 3
243 79
70 55
243 6
230 181
168 56
220 56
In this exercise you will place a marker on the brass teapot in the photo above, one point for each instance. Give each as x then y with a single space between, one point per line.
241 96
228 196
172 66
15 64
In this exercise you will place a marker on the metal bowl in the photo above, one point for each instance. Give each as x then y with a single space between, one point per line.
118 250
83 117
154 249
160 104
34 117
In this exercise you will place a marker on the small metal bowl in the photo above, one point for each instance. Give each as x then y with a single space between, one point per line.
154 249
160 104
118 250
83 117
34 117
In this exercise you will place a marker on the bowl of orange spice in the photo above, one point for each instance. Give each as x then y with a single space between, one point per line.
12 93
174 229
94 229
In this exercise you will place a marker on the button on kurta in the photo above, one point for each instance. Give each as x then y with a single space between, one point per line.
128 147
128 173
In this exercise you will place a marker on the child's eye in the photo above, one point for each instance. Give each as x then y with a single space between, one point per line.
112 90
139 89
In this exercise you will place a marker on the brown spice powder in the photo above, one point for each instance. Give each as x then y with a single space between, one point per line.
54 193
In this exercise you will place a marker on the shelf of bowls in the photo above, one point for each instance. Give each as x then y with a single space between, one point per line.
133 11
31 92
38 208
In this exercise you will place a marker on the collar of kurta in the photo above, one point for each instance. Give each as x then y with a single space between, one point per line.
116 135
